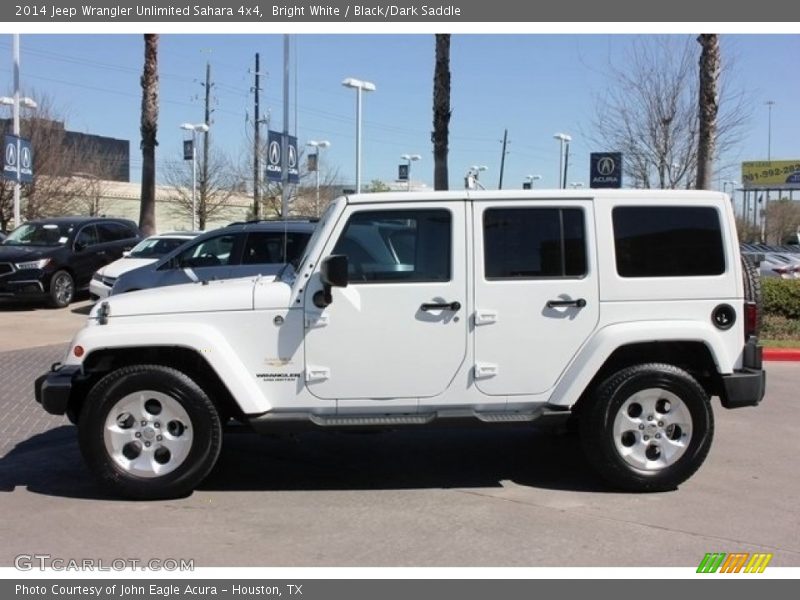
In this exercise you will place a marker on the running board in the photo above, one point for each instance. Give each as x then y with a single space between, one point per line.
371 420
292 421
508 417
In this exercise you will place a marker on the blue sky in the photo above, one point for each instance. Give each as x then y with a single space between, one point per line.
535 85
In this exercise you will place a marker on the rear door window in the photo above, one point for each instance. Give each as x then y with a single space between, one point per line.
668 241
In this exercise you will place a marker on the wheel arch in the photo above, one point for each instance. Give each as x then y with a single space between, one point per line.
695 348
694 357
187 360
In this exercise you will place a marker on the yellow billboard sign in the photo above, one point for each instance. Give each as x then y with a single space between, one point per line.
772 174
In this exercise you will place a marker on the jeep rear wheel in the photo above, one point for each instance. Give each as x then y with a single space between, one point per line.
149 432
647 428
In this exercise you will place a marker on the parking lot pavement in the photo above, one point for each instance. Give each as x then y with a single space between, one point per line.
28 324
482 497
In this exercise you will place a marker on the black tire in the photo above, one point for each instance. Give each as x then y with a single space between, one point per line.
204 420
752 287
597 427
62 289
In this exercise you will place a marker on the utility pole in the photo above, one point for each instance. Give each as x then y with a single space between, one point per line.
503 159
204 172
566 163
285 136
257 147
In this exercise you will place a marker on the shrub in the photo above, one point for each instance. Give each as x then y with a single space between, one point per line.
781 297
777 327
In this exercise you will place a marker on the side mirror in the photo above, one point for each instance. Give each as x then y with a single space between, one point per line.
126 253
333 273
80 246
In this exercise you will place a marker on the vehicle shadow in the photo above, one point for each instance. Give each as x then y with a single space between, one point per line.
461 457
82 310
50 463
25 305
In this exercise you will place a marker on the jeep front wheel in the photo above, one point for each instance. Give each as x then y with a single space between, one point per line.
149 432
647 428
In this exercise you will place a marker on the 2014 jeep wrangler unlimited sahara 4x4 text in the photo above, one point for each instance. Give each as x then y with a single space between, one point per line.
631 309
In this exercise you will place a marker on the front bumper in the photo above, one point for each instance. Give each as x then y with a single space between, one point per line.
53 389
99 289
21 288
746 386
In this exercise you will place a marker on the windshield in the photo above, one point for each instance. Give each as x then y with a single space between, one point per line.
156 247
39 234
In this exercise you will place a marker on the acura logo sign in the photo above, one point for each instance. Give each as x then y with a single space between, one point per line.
605 166
274 153
606 170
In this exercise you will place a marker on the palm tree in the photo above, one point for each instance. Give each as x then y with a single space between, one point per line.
441 111
708 107
148 128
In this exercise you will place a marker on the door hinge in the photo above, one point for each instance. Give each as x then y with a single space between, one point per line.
483 370
484 316
317 374
313 321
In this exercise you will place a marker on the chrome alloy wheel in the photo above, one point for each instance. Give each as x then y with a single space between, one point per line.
148 434
652 429
64 289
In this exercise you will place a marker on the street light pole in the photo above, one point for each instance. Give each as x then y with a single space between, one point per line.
409 158
15 110
16 102
562 171
194 128
359 86
319 146
770 104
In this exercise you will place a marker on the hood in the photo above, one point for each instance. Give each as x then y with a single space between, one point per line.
220 295
123 265
23 253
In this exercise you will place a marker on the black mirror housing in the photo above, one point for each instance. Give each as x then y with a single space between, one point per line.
333 273
333 270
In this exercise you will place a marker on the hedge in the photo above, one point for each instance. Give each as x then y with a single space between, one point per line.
781 297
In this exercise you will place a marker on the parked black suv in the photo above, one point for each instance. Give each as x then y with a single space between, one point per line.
52 258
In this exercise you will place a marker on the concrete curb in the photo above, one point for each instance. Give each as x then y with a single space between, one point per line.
781 354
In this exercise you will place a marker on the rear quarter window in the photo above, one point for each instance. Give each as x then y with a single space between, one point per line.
668 241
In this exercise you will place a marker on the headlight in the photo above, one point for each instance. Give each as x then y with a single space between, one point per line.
33 264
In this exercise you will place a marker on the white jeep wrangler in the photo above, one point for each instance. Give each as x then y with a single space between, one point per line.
631 309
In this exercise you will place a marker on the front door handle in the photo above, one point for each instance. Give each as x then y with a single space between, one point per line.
454 306
579 303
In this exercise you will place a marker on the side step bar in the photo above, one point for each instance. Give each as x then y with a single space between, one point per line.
289 422
371 420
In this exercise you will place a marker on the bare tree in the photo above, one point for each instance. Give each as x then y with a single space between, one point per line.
783 220
149 129
59 169
441 111
213 198
708 100
649 113
270 193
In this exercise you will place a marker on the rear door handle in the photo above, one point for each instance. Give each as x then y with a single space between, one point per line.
579 303
454 306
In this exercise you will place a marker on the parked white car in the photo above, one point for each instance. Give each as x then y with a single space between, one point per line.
144 253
